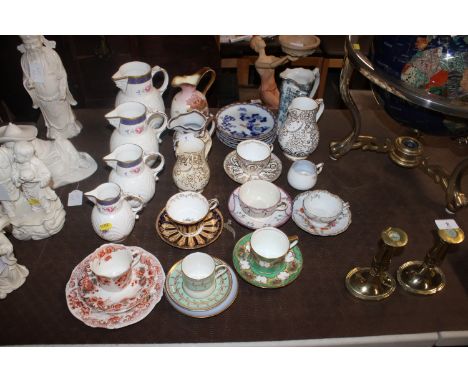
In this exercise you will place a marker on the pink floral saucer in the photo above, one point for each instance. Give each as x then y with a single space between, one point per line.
98 312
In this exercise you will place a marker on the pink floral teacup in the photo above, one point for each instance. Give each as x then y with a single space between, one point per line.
113 266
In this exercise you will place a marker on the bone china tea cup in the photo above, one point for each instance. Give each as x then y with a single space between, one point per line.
260 199
323 207
253 155
302 174
199 274
269 246
113 267
189 207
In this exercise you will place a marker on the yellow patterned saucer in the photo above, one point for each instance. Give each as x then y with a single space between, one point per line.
190 236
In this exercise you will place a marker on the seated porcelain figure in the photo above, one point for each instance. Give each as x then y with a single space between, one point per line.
12 274
65 163
33 208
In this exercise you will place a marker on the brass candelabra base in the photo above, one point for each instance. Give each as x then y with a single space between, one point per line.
363 283
415 277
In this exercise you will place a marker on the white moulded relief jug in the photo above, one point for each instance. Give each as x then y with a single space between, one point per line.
135 81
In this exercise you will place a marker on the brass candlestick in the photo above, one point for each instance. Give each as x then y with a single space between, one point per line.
375 283
426 277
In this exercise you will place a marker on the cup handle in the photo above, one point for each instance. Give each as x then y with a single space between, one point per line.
163 87
271 147
158 169
320 109
224 268
213 203
138 199
293 240
158 131
319 168
282 206
136 257
346 205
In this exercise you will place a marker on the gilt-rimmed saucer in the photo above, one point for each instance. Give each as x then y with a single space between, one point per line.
174 290
277 219
233 169
247 267
190 236
336 227
221 307
100 319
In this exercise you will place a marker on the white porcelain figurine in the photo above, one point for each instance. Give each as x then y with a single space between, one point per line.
66 164
34 210
12 274
45 79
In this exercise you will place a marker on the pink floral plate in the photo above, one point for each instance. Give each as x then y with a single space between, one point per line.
87 312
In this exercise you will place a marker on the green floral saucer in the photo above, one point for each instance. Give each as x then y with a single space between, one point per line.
254 274
177 294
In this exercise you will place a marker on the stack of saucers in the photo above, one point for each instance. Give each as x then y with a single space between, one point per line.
238 122
115 286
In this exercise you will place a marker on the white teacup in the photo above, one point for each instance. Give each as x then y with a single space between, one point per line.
189 207
253 155
323 207
270 246
302 174
112 265
260 199
199 274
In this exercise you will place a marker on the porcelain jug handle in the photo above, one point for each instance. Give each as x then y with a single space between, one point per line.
316 72
151 123
163 87
213 203
320 109
204 71
158 169
213 125
319 168
293 240
138 199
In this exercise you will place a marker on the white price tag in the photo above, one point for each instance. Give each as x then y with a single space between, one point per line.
36 72
75 198
4 195
446 224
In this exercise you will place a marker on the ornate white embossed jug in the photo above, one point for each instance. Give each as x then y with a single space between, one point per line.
299 135
132 173
113 218
134 125
194 123
135 81
191 171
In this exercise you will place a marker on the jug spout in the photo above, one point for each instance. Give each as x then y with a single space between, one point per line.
113 118
92 195
120 80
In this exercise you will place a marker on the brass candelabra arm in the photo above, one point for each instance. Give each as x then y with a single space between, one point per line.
438 174
338 149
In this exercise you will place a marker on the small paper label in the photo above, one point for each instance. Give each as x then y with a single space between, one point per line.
105 227
75 198
446 224
33 202
256 101
36 72
356 47
4 195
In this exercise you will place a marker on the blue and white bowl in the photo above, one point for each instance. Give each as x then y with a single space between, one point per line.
242 120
